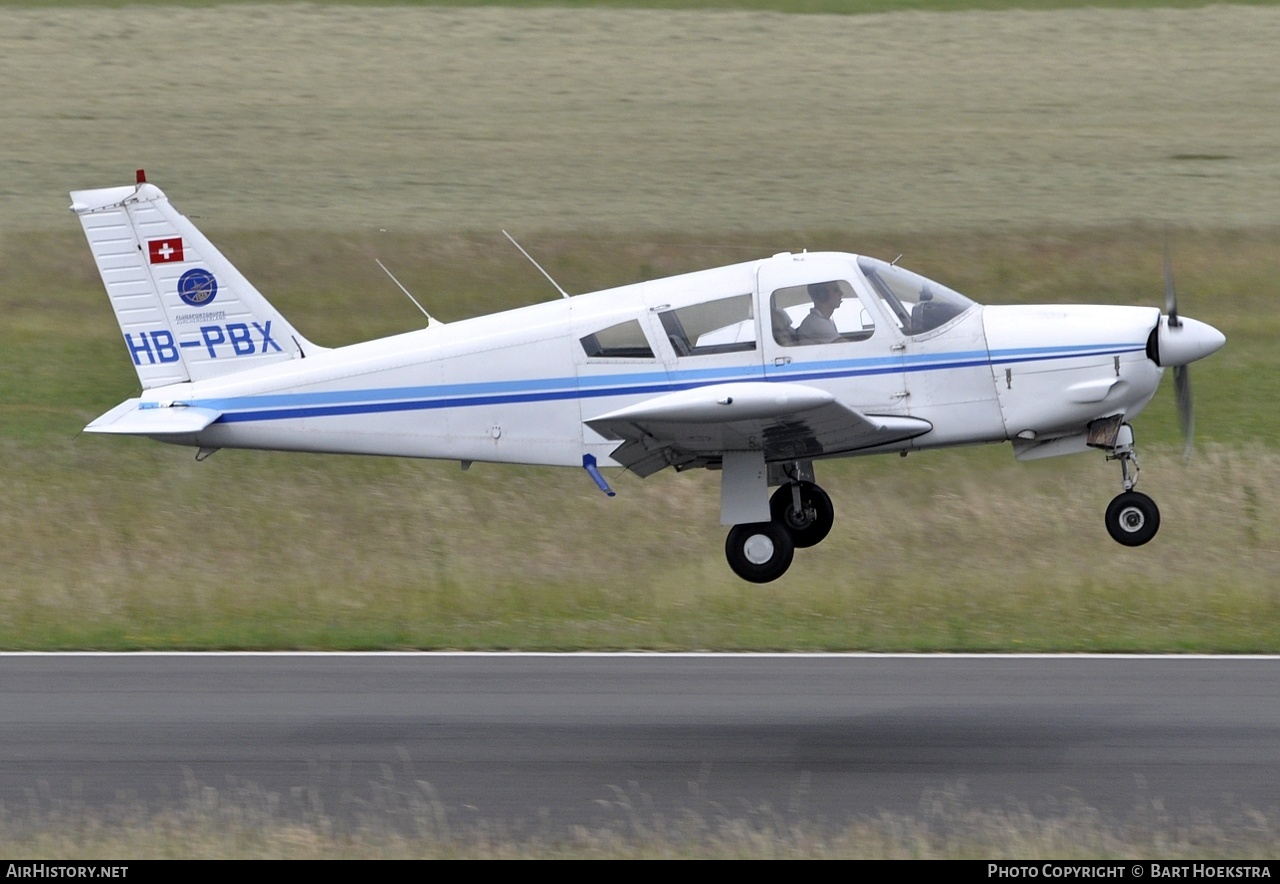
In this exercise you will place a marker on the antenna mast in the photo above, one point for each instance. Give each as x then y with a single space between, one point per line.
535 264
431 320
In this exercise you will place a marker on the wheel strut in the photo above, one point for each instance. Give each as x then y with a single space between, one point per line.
1123 451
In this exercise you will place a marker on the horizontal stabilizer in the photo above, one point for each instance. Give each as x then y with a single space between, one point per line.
137 418
786 421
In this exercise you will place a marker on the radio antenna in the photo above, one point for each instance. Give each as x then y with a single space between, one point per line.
431 320
535 264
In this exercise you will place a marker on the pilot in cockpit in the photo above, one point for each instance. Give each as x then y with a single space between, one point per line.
818 327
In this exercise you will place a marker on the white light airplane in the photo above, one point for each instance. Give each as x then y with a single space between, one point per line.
757 369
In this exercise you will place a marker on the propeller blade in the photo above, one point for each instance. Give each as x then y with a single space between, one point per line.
1186 413
1181 374
1170 295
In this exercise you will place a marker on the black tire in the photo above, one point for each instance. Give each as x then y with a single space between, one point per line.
1132 518
759 551
806 530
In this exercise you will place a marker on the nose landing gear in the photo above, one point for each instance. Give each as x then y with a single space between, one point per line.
1132 518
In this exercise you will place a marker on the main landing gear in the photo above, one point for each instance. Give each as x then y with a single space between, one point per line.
1132 517
801 515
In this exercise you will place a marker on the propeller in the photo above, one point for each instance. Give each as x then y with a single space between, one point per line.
1181 373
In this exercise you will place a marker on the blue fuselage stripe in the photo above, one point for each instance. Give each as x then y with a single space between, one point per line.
288 406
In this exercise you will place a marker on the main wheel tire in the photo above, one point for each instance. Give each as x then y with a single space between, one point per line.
1132 518
813 523
759 551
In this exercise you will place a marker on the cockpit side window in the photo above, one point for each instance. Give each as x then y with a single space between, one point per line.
919 305
726 325
626 340
819 313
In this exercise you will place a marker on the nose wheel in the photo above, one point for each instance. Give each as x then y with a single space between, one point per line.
1132 518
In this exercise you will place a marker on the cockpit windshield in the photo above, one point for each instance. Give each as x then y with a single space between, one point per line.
919 305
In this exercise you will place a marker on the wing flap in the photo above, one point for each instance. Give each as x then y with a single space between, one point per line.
133 417
786 421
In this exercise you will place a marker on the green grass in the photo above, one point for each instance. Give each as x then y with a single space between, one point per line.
122 544
355 120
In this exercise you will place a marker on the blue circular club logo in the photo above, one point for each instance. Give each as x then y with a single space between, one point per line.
197 287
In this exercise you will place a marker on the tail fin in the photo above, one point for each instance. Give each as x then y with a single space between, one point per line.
186 313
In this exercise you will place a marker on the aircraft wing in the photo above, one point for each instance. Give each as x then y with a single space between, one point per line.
133 417
787 421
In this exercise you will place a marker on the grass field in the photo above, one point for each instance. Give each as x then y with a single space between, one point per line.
128 544
355 119
245 823
1019 156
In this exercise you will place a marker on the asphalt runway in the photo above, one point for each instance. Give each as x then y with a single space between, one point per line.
534 742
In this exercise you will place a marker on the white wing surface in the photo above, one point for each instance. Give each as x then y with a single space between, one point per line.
786 421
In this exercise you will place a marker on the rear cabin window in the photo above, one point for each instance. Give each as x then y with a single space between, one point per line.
625 340
723 326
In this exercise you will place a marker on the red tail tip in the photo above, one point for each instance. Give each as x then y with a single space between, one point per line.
142 176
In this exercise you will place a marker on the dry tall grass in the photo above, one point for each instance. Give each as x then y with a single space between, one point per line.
247 823
121 545
351 118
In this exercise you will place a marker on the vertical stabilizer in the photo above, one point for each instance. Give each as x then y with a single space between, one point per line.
186 313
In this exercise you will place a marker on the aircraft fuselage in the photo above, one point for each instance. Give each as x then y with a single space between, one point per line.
518 386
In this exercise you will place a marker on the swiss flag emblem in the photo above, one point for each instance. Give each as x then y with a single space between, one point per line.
165 251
